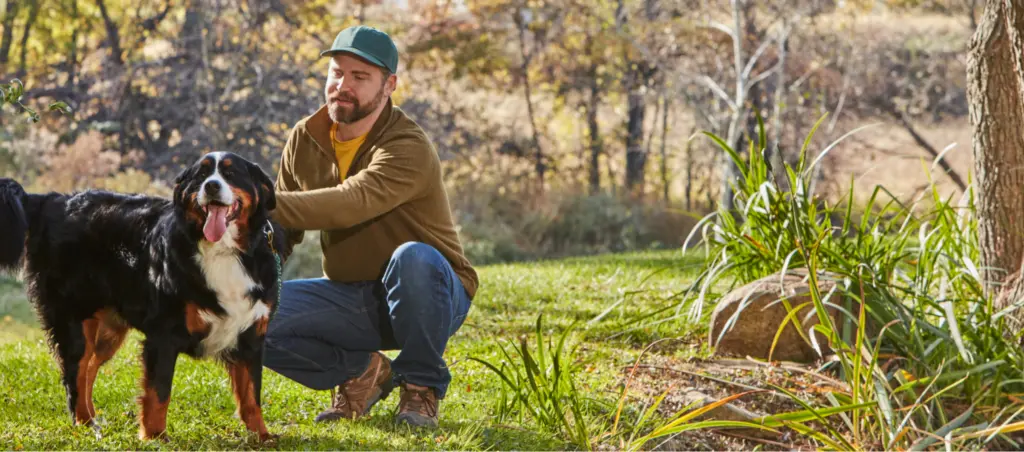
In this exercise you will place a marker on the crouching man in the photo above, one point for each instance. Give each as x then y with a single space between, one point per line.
369 179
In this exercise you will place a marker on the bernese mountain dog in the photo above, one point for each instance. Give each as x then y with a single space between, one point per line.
198 274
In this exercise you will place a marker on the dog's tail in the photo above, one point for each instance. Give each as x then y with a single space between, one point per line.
13 223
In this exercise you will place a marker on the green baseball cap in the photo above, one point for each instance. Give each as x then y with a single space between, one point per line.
370 43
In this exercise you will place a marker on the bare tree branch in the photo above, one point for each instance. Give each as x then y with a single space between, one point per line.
946 168
113 36
757 55
718 90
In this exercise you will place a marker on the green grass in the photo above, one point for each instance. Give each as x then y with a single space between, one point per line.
32 414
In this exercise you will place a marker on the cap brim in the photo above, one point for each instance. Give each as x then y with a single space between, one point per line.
366 56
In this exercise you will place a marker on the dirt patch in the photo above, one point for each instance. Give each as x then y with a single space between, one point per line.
683 380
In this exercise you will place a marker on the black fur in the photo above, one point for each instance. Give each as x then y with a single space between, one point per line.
129 261
12 223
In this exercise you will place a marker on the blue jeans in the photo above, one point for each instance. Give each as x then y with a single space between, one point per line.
324 331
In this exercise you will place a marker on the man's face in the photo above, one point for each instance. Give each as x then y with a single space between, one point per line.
355 88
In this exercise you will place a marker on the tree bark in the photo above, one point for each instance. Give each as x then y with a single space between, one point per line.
636 158
639 71
688 190
525 68
592 125
113 36
994 89
729 170
8 36
774 151
664 154
595 138
72 63
26 31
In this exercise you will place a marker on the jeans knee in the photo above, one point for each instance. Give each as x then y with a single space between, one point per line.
416 254
417 271
416 260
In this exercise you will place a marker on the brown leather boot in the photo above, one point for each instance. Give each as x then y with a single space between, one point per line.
355 397
418 406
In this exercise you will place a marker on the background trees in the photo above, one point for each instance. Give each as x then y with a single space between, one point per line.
542 110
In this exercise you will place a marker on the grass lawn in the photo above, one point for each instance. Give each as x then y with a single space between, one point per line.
32 413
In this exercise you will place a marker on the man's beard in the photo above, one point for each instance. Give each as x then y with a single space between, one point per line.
356 110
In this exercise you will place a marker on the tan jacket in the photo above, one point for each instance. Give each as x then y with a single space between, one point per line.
393 193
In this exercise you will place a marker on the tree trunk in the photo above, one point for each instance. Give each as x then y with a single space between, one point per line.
595 139
592 125
525 68
775 155
638 73
664 154
995 96
8 36
636 158
729 170
688 190
113 36
72 62
26 31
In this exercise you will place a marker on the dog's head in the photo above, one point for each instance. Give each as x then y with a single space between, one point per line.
224 194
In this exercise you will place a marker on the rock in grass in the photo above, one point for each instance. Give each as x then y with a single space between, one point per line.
751 332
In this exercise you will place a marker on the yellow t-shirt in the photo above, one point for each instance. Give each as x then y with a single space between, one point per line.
345 150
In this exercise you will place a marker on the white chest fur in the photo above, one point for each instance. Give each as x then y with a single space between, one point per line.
232 284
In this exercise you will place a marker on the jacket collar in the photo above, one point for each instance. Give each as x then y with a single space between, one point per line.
319 127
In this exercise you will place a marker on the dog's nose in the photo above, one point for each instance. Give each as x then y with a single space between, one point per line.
211 186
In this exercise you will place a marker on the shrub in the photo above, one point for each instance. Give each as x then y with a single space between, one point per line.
496 228
938 366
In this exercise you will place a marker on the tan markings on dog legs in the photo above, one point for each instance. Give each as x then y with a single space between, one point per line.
83 405
109 336
153 413
245 398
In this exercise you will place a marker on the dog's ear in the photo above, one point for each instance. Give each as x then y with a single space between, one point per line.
179 184
264 186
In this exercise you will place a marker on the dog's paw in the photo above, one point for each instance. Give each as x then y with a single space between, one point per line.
150 436
95 426
268 438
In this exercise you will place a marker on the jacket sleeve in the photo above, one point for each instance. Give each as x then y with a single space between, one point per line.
286 183
400 170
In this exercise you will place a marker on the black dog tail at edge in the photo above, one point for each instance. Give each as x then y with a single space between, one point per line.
13 223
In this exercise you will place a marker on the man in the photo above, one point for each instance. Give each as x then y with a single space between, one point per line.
367 176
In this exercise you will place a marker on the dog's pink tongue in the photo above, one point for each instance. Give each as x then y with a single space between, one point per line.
216 223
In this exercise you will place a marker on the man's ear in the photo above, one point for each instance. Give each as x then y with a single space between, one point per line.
264 186
392 83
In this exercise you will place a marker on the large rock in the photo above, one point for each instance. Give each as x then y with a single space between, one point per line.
751 332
